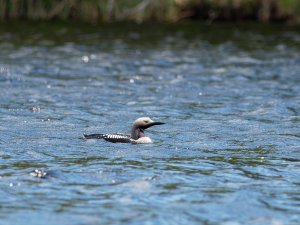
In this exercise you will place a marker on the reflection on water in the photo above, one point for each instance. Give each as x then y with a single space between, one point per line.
229 153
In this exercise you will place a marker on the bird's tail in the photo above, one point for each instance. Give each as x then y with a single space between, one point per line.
93 136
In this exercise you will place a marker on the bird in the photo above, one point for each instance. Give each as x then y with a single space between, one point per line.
137 135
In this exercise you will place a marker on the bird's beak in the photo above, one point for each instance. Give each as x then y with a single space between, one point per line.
157 123
152 124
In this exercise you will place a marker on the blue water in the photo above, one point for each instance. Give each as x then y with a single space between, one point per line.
229 152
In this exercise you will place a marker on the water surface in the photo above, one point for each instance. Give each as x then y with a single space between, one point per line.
228 154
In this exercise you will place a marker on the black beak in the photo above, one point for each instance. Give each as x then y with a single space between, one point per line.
152 124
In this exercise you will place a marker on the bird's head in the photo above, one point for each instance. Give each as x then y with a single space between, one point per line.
142 124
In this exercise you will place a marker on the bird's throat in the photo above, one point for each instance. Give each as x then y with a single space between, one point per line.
141 133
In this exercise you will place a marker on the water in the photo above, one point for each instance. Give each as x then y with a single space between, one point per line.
228 154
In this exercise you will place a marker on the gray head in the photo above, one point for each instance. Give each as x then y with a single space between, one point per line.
140 125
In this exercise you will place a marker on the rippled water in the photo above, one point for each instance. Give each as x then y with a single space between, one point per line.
228 154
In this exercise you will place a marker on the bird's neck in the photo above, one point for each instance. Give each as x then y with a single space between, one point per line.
136 133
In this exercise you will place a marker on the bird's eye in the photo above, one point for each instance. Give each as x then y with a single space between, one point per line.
146 121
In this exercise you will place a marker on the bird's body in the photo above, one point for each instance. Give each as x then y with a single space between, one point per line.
137 133
115 138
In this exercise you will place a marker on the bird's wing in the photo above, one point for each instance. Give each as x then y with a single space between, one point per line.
115 138
94 136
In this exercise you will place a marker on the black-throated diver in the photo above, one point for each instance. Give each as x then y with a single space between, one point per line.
137 133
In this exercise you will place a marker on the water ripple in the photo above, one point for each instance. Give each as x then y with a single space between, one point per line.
228 154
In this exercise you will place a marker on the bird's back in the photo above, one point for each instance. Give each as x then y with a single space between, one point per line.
115 138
